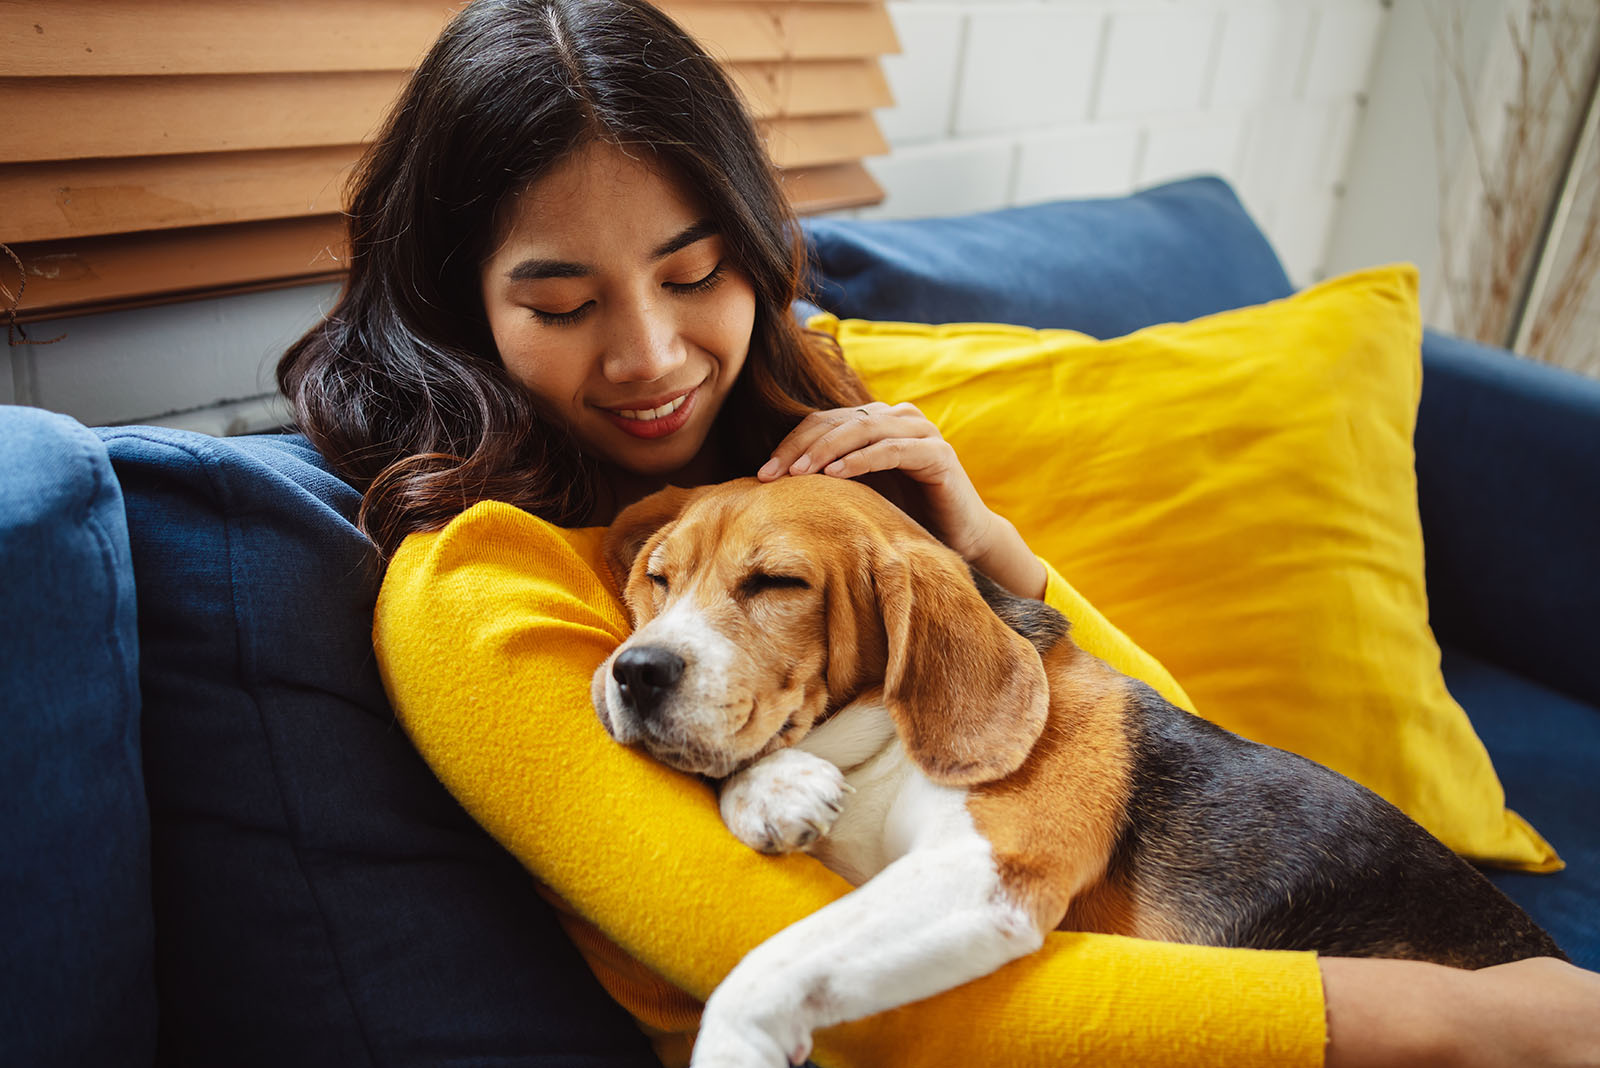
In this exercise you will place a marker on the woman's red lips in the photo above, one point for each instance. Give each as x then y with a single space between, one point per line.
657 421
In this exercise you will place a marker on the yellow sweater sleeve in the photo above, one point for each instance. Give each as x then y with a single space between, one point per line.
487 634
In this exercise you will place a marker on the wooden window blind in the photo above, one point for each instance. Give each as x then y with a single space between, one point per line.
166 149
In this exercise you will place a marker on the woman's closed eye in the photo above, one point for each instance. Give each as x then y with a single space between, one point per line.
566 318
699 285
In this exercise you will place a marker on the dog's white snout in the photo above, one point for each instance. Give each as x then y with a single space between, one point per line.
645 675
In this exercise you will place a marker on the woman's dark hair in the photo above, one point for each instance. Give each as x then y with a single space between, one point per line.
401 387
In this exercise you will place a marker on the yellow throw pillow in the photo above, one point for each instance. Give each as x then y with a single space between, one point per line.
1238 495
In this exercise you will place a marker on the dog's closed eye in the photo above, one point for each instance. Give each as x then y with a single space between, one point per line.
763 582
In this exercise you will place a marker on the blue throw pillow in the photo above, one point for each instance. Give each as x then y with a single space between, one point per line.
1103 267
320 899
75 919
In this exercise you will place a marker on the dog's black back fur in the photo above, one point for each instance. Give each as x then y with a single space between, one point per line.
1265 849
1255 847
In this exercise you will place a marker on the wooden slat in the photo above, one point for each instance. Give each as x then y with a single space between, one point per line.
77 118
80 198
812 87
139 37
810 142
741 32
813 190
102 273
149 37
80 118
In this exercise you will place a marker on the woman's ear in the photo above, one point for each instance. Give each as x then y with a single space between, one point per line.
967 693
636 524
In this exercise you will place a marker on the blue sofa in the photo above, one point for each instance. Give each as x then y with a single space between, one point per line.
217 847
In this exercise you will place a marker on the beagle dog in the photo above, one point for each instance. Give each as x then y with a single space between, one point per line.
946 747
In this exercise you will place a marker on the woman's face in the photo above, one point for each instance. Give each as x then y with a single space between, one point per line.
613 301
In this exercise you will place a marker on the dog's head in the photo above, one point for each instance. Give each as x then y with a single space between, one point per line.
759 608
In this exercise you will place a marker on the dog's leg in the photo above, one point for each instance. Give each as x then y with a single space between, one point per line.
935 918
783 802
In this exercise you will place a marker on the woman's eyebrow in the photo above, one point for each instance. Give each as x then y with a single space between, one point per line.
697 231
534 269
531 270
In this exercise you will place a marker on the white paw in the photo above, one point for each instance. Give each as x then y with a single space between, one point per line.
731 1037
783 802
728 1047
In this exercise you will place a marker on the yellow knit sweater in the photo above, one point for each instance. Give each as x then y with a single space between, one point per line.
487 634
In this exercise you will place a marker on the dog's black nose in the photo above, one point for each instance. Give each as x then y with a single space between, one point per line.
644 674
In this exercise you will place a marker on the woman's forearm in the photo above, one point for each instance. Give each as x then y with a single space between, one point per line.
1538 1012
1006 558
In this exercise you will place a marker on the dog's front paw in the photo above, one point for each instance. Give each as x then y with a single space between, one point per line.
733 1036
724 1046
783 802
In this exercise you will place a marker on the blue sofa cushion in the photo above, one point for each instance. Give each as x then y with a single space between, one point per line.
1508 480
75 916
1103 267
320 899
1544 745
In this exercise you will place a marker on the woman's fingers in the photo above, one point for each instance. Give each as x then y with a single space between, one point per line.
886 455
804 438
824 438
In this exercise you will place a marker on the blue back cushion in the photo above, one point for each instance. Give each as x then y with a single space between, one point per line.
1509 487
319 897
75 920
1103 267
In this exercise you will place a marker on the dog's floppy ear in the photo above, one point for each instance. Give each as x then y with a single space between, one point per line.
967 693
855 638
636 524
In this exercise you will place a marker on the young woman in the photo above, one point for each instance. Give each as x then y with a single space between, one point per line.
570 284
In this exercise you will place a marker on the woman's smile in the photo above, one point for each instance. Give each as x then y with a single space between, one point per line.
655 420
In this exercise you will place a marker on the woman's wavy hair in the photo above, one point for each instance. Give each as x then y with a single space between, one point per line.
401 387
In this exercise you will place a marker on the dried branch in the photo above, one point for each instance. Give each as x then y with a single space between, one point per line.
1519 168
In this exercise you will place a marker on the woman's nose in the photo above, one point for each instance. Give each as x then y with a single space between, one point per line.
644 345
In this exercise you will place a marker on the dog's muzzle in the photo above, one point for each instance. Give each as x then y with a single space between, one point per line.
645 674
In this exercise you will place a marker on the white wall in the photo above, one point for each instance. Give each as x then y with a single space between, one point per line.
1000 102
1416 177
1003 102
202 365
1411 142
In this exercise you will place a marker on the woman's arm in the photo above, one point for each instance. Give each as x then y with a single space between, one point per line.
1384 1013
487 634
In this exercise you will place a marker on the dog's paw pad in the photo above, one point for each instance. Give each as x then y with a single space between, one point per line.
784 802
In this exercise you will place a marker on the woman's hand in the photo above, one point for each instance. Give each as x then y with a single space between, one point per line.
851 442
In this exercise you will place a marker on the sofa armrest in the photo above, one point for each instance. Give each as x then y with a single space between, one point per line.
75 913
1508 481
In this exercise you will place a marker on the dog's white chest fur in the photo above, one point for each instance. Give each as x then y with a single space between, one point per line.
893 807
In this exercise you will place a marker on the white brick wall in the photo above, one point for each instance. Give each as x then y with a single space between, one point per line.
1005 102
